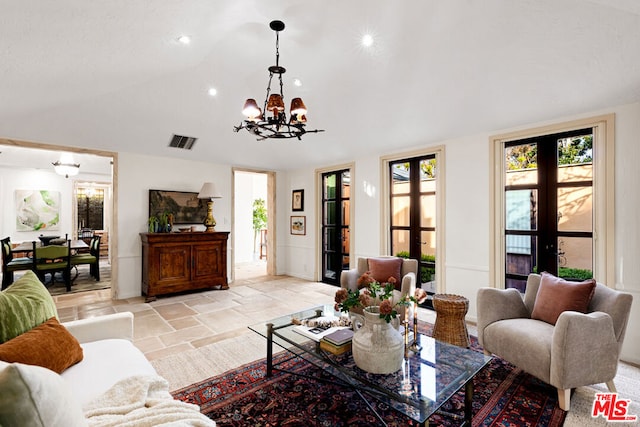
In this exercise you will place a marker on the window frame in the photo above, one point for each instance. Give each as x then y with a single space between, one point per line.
603 194
385 206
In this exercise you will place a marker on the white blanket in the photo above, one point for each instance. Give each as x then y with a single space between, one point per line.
143 401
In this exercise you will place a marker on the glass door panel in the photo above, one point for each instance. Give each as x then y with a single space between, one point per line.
335 225
575 257
413 214
400 207
574 209
520 209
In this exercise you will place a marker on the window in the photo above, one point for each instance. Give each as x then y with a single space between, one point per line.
415 207
553 202
548 206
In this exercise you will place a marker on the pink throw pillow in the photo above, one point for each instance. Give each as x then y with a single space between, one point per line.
556 295
383 268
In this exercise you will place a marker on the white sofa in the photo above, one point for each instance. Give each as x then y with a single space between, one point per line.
109 355
113 384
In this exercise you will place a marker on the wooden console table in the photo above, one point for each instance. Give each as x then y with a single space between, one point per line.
176 262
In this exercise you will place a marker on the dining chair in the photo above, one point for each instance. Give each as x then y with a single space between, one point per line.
52 259
92 258
11 263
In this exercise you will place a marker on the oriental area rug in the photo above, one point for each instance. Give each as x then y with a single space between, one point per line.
503 396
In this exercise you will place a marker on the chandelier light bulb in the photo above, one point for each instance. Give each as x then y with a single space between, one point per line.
251 110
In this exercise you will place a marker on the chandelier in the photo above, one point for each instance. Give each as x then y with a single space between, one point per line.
65 166
277 125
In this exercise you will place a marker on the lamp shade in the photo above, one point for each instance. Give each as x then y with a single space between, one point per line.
275 103
297 107
251 109
208 191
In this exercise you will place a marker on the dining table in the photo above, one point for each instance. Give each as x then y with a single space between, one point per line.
28 246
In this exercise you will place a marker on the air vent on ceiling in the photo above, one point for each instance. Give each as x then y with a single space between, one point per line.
184 142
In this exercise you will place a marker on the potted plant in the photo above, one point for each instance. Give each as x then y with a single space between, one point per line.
259 219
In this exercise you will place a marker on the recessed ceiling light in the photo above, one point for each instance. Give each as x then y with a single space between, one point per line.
367 40
297 82
213 91
184 39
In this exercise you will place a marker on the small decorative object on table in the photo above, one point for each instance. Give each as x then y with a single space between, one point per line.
418 298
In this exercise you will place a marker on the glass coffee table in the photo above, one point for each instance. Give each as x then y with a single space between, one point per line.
428 378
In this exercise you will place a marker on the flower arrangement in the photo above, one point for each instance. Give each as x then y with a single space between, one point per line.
374 293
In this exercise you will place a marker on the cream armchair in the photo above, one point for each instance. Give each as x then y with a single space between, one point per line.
408 273
579 350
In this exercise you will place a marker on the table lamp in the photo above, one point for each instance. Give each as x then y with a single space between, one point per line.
209 192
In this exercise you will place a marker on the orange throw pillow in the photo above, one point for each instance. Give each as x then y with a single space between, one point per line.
383 268
49 345
556 295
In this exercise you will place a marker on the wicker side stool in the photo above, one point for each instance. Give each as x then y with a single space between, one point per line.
450 326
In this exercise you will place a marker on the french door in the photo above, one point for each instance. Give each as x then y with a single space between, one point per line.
548 199
413 214
336 191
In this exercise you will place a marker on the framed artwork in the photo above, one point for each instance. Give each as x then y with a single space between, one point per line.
298 225
37 210
297 200
185 206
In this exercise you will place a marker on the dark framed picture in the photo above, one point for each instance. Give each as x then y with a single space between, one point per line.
185 206
299 225
297 200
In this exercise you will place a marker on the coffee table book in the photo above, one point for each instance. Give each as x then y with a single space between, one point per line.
315 333
335 349
339 337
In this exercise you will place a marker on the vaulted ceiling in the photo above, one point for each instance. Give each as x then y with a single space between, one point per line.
112 74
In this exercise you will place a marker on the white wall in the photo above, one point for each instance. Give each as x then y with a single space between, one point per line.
467 214
296 252
134 181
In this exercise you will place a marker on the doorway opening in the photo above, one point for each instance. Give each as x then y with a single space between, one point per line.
29 162
252 206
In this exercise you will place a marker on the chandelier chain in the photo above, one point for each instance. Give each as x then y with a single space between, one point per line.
278 62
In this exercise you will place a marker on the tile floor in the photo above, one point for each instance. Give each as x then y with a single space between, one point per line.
179 323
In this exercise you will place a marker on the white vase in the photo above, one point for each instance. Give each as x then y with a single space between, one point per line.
377 346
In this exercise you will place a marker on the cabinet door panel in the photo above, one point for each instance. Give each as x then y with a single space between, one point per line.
174 262
208 262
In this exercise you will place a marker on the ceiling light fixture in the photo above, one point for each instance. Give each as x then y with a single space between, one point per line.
65 166
276 126
367 40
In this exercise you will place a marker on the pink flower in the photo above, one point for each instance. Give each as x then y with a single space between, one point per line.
364 298
420 295
386 307
392 280
341 296
365 280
